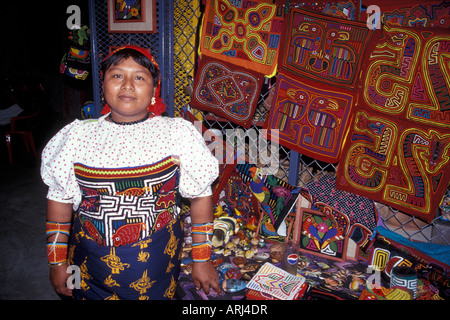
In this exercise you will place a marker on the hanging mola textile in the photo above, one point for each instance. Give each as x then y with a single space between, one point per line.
408 13
76 63
398 148
316 85
239 46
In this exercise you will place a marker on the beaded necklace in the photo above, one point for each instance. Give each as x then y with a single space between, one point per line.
131 122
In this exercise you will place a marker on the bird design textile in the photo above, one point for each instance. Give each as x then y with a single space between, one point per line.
275 196
316 85
310 119
325 48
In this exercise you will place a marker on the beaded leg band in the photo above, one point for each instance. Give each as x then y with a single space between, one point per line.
57 251
201 251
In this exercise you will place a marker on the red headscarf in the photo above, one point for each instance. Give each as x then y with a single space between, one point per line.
159 106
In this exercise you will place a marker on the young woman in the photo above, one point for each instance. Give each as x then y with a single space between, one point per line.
114 191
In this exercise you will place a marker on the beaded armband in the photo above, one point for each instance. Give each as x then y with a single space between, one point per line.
57 251
203 228
201 251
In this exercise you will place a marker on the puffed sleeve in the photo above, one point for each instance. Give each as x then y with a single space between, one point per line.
57 170
198 168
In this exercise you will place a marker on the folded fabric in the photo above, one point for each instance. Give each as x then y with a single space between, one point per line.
436 251
276 282
382 293
388 250
355 213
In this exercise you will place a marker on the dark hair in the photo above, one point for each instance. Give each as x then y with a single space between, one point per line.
140 58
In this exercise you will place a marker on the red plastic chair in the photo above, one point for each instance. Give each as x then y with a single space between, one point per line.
22 126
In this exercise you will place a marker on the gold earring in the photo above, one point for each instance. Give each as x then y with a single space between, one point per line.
153 101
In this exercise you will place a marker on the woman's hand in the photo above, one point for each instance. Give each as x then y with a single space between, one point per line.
58 279
205 276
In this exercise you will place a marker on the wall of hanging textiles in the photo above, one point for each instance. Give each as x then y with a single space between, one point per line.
374 101
329 123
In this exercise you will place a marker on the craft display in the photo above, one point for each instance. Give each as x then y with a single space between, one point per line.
245 32
376 101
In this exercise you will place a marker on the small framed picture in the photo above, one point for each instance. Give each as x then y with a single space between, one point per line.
132 16
320 235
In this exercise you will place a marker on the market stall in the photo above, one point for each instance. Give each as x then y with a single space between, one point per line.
362 91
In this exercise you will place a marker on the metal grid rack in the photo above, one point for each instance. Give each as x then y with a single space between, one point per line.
174 46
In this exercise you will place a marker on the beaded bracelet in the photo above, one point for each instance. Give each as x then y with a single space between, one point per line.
57 228
203 228
57 251
201 252
52 265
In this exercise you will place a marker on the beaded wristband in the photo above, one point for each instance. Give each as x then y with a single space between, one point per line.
57 228
56 252
203 228
201 252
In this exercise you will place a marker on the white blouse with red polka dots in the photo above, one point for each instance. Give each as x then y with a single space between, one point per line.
100 143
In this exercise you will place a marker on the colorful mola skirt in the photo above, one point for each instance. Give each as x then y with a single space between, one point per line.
145 270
